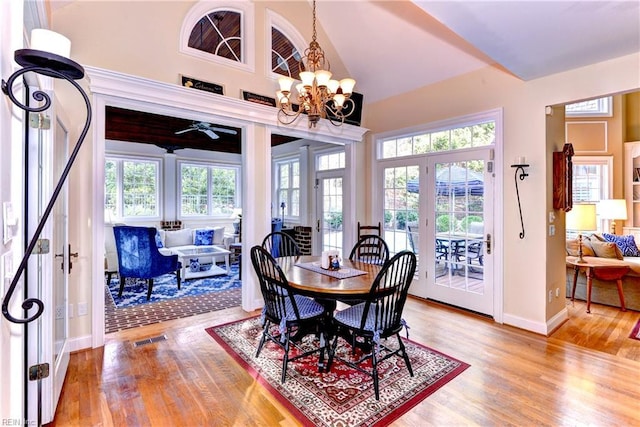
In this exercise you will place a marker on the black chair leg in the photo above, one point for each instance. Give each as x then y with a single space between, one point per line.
405 356
149 290
122 280
178 277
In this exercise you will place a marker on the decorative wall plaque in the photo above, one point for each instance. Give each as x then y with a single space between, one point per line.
202 85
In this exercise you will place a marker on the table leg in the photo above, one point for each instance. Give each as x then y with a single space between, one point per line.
621 295
576 270
226 262
589 284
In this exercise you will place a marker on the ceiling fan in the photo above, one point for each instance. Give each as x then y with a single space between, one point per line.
208 129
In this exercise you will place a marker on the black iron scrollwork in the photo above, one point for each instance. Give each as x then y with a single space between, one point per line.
522 176
59 67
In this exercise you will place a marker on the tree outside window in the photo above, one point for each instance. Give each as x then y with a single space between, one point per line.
131 188
208 190
289 187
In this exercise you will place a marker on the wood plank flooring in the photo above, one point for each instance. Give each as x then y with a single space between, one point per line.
586 373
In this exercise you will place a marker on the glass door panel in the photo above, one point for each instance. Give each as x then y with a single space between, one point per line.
461 212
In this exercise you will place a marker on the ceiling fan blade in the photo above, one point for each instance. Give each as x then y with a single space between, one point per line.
184 131
211 133
223 130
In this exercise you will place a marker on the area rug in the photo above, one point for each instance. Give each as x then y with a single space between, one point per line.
165 288
635 333
344 396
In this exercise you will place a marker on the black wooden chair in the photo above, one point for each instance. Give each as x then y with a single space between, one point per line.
371 249
377 318
293 314
280 244
368 230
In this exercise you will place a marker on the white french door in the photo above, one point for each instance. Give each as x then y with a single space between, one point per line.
47 274
329 203
459 206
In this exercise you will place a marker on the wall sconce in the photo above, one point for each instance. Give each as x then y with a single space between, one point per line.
48 56
520 166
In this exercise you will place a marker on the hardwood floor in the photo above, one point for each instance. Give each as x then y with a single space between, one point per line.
586 373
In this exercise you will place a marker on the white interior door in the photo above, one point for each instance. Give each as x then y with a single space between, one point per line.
460 211
329 204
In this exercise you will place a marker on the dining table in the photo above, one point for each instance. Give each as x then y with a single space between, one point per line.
350 283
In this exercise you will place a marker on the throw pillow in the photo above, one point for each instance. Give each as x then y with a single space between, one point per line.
159 240
203 237
573 248
627 244
606 249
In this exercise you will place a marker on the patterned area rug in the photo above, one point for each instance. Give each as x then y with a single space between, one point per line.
117 319
344 396
635 333
165 288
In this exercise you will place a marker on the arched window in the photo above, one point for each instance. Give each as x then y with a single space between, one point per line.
218 32
287 47
285 58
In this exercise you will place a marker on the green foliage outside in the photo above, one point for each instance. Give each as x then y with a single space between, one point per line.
335 220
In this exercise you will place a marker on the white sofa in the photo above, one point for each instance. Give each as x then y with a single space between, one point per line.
173 240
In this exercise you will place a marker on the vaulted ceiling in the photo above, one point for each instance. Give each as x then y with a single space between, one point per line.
398 46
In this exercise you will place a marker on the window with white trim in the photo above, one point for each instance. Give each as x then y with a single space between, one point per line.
288 187
599 107
475 135
208 190
221 32
132 189
591 181
285 46
330 161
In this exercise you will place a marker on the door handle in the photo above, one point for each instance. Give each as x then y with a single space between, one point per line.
62 263
488 243
71 254
318 226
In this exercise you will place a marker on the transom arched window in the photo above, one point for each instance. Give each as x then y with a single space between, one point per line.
286 46
285 58
222 32
219 33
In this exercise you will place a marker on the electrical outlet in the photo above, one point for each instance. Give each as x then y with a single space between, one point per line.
82 309
60 312
552 230
550 296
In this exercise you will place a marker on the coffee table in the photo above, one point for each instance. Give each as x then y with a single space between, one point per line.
202 252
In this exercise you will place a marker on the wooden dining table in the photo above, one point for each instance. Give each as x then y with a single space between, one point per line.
321 285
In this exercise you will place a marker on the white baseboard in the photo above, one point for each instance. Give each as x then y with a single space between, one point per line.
537 327
526 324
557 320
80 343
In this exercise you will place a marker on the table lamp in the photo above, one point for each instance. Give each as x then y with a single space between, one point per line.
613 209
581 218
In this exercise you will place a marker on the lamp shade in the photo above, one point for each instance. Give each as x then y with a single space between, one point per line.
582 218
612 209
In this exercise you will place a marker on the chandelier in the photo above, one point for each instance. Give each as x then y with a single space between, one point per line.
319 96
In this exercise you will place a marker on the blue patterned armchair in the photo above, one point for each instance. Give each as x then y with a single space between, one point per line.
138 256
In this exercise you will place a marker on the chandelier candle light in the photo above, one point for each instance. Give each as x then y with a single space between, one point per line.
319 96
